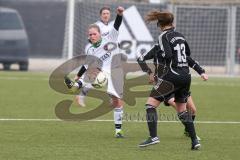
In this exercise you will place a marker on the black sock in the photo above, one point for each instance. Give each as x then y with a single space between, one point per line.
79 84
186 119
185 128
118 126
193 117
152 119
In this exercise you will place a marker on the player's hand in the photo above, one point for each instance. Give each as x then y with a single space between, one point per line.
120 10
204 76
151 79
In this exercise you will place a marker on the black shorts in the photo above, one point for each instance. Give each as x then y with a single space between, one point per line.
167 98
170 96
172 84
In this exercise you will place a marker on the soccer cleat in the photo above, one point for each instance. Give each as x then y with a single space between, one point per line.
119 134
68 82
149 141
72 86
187 135
195 145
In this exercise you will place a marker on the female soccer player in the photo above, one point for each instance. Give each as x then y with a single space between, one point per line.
106 51
105 27
191 108
174 54
159 71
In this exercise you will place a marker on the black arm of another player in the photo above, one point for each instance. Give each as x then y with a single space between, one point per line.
149 55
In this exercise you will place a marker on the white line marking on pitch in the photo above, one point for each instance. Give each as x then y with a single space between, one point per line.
231 84
24 78
107 120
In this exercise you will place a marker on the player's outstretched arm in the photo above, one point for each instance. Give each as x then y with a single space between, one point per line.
118 19
149 55
141 58
194 65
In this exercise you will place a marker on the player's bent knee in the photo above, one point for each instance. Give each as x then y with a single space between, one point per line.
153 102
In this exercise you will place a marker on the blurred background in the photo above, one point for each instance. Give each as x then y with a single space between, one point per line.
39 35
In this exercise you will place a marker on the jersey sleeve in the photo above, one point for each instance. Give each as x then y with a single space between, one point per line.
143 65
149 55
195 65
113 33
188 52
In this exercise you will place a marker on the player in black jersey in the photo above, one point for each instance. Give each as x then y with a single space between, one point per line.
174 54
191 108
159 71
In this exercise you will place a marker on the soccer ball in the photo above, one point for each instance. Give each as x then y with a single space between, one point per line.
100 81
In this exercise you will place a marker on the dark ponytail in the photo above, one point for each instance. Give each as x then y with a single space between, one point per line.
162 18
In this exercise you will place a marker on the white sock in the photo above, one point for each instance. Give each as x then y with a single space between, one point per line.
118 130
118 116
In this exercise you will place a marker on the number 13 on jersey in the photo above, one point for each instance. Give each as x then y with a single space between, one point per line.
181 53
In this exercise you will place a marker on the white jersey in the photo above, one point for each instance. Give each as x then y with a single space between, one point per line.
104 28
110 62
103 53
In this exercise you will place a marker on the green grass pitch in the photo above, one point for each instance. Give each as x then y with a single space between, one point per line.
27 95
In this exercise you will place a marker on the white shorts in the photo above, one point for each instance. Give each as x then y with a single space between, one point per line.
115 83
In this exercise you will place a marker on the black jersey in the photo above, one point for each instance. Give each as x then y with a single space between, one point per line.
172 61
175 50
155 54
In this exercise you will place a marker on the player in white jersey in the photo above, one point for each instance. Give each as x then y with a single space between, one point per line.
108 60
103 23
